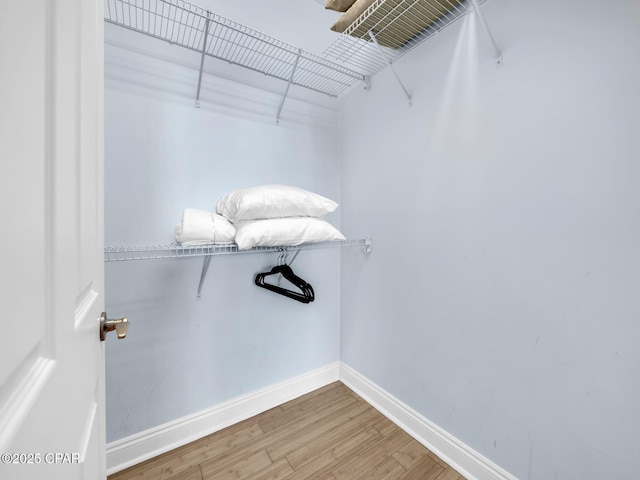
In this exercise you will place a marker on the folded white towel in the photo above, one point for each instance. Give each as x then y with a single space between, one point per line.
199 227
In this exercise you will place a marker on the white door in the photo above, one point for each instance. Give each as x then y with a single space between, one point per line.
51 238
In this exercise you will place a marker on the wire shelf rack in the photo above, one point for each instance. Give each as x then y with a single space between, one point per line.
154 252
398 26
182 23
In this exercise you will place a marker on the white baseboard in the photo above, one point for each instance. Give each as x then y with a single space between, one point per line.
142 446
456 454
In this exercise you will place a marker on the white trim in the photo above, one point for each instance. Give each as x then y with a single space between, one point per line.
456 454
142 446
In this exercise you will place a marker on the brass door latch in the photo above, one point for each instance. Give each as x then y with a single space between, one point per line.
120 325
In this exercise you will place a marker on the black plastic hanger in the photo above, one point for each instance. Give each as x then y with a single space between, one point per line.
307 294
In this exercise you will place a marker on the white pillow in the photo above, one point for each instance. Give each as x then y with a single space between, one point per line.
199 227
276 232
273 201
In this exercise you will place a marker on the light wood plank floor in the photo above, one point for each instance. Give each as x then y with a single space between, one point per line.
328 434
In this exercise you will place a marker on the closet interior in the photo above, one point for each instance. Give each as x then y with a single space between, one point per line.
378 36
485 293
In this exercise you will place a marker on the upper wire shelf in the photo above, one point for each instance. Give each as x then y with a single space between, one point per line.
152 252
192 27
398 26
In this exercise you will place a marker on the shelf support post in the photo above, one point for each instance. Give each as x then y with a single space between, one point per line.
384 57
286 91
476 7
204 52
203 275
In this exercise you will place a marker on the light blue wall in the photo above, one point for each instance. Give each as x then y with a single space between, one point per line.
162 155
501 300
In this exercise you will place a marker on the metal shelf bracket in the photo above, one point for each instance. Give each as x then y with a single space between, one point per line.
203 275
204 52
286 91
498 53
384 57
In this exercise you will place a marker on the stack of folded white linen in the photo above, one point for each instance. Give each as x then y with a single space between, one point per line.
199 227
266 215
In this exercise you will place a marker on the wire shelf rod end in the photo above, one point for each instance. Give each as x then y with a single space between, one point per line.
367 245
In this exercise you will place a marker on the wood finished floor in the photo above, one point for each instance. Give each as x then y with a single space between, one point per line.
328 434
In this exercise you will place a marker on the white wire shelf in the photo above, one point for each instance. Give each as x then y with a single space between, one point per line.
182 23
155 252
398 26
